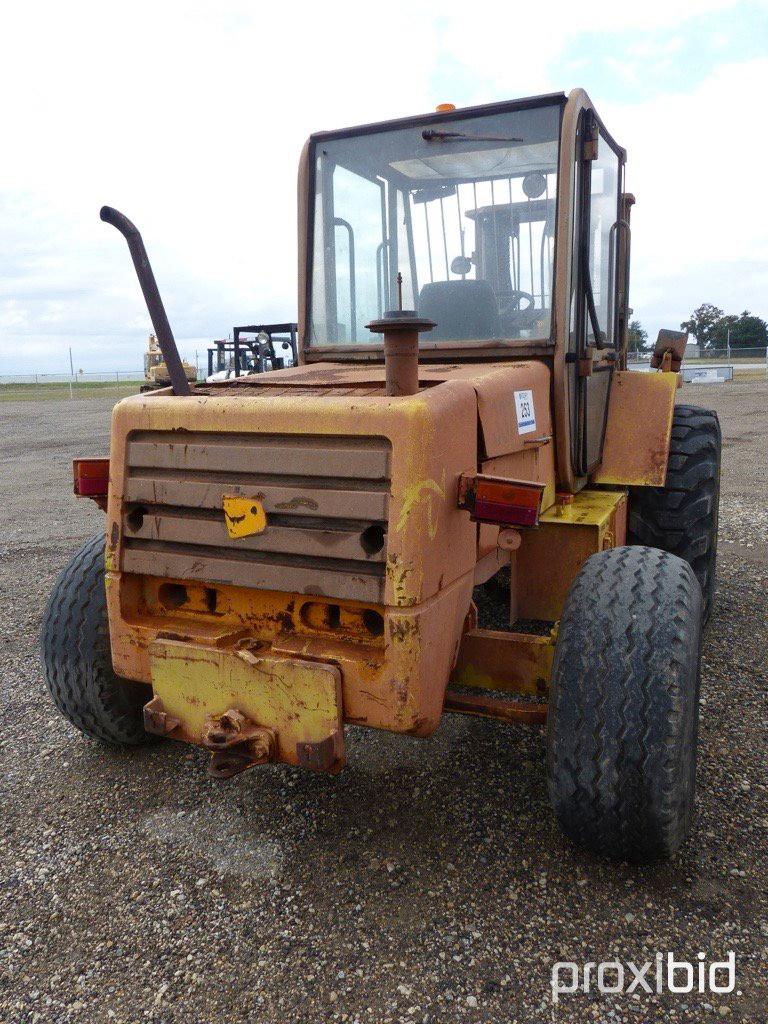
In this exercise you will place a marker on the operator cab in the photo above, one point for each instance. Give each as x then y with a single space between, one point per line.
464 204
509 226
465 210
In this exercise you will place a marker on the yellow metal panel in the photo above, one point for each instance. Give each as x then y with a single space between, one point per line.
588 508
301 700
551 555
509 662
638 430
244 516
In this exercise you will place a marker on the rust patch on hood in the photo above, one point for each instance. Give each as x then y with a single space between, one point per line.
295 503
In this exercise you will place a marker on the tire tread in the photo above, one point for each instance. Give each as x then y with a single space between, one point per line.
682 516
77 660
622 728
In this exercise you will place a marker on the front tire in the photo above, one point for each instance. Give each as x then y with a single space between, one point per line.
77 660
623 712
681 517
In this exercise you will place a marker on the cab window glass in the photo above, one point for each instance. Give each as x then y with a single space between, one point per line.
602 236
465 211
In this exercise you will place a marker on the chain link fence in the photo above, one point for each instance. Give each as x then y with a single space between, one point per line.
756 354
704 366
64 385
117 383
733 354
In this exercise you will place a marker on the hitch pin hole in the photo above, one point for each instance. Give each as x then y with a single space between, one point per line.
135 518
172 595
372 539
373 622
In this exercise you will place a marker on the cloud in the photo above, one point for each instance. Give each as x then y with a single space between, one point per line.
191 118
700 226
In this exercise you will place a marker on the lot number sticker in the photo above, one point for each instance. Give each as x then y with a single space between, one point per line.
526 414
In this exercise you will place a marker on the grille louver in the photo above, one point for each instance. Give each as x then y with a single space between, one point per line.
321 495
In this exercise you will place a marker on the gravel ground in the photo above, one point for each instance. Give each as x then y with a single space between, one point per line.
428 882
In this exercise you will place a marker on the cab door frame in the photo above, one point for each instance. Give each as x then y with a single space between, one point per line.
579 427
594 345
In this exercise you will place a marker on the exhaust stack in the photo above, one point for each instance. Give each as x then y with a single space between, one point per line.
401 328
163 332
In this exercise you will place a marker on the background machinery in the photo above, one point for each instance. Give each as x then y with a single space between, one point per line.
156 372
253 349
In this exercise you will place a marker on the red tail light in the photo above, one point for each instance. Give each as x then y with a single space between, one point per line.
492 499
92 479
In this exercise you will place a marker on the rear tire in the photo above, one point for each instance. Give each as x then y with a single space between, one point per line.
77 660
623 712
681 517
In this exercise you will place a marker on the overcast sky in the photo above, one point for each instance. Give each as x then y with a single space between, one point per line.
190 118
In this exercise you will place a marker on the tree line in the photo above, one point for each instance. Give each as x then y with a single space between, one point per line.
712 328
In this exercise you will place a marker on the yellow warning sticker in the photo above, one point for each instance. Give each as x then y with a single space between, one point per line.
243 516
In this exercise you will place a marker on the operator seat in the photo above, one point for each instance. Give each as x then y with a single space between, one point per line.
462 310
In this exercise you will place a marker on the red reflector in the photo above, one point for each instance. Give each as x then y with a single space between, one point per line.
509 515
91 477
490 499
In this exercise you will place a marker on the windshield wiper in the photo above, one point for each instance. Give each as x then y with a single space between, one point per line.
430 134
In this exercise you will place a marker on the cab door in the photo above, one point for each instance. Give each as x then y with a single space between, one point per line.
595 317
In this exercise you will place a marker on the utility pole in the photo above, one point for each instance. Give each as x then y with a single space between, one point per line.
71 371
728 342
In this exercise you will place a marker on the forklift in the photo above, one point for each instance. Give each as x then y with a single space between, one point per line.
293 553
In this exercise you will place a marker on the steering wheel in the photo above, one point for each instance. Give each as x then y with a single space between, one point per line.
515 315
515 297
